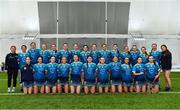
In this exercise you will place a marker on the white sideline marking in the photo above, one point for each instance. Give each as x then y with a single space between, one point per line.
1 94
13 94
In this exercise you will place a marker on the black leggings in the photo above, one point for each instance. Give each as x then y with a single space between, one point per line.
12 73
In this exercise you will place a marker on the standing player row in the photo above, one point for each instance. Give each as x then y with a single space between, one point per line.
132 54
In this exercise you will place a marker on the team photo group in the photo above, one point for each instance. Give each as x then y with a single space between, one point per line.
87 69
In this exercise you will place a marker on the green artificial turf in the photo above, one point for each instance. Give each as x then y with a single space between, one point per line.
93 101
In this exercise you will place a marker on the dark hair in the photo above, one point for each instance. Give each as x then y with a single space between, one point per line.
153 60
167 50
115 44
103 44
128 59
65 43
40 57
85 46
127 47
23 46
87 60
94 44
145 51
76 55
13 46
33 43
134 46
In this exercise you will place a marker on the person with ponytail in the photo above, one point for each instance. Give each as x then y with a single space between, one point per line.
144 55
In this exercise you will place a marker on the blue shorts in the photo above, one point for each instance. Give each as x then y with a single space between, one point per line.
89 83
62 81
127 84
39 83
139 83
151 83
27 84
103 84
116 82
76 83
51 83
76 80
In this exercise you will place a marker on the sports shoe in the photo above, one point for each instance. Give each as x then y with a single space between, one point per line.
8 90
13 89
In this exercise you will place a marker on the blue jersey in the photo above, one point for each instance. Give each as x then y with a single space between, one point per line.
144 58
74 52
46 55
139 68
124 55
115 53
22 59
84 55
55 54
106 54
65 53
151 70
89 71
134 57
34 54
95 55
51 71
39 72
76 68
126 73
156 54
115 69
103 72
63 70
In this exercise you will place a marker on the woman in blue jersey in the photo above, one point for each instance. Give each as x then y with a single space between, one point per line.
144 55
152 75
95 54
76 75
102 76
63 70
39 76
75 51
127 77
115 52
134 55
34 53
89 69
45 53
65 52
125 54
54 52
51 76
139 76
105 53
115 75
84 54
155 53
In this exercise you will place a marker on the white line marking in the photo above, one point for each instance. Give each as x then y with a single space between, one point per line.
13 94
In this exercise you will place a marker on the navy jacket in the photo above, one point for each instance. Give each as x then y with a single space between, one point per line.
27 73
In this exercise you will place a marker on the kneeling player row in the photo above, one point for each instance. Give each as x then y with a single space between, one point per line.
55 76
